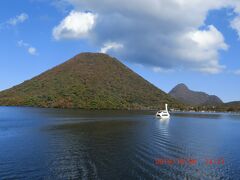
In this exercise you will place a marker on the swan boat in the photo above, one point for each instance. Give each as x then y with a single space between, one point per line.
163 114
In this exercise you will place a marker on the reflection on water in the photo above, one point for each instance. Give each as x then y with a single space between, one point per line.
164 121
76 144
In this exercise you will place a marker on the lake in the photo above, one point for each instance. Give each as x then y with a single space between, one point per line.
40 143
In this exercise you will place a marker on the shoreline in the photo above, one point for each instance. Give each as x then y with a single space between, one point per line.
103 109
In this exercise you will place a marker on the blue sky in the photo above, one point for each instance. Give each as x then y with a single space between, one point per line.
165 48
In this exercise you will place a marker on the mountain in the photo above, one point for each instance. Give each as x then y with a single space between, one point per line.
183 94
230 106
233 103
88 81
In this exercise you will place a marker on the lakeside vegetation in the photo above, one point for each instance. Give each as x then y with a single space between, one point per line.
225 107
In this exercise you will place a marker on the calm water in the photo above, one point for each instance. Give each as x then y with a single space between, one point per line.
74 144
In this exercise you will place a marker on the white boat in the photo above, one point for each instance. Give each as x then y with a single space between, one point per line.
164 114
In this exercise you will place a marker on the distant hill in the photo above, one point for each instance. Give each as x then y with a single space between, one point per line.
230 106
88 81
183 94
233 103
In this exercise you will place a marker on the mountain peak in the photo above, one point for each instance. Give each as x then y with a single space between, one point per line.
181 86
183 94
91 55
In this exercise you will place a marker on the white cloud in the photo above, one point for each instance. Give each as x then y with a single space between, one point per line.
235 24
75 26
237 72
18 19
21 43
209 38
21 18
161 70
61 5
167 34
30 49
110 46
200 48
